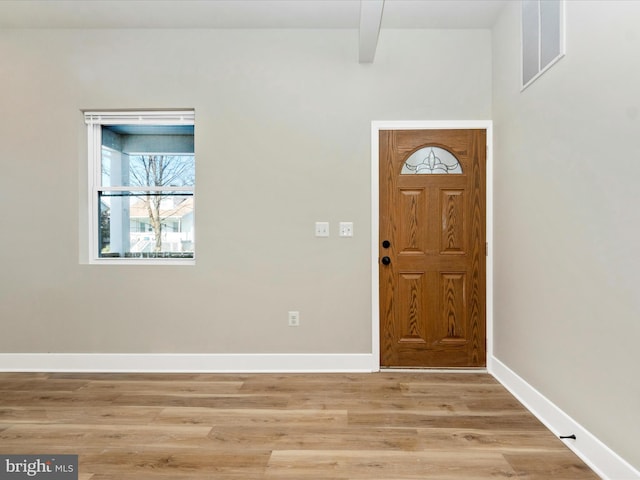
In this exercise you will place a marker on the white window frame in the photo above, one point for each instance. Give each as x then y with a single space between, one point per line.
94 121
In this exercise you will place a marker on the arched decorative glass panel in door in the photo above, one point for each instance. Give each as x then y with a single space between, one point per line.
431 160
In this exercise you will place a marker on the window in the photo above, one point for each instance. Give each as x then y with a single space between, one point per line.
431 160
542 37
141 186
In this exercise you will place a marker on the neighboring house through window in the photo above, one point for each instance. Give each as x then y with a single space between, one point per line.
141 186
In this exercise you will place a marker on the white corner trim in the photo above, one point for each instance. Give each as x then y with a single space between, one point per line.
600 458
190 363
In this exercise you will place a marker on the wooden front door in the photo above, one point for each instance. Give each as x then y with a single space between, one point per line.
432 248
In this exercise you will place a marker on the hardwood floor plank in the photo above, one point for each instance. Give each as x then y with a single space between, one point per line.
20 448
154 387
170 465
250 418
22 376
120 377
204 401
240 475
557 465
440 419
104 436
488 439
297 464
37 433
79 414
292 437
41 384
52 398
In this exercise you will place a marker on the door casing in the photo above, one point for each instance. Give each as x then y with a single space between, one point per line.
376 126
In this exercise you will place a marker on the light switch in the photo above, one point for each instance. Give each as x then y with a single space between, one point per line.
346 229
322 229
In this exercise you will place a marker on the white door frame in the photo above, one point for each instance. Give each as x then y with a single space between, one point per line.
376 126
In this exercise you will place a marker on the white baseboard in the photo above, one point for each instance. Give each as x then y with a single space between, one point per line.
176 363
600 458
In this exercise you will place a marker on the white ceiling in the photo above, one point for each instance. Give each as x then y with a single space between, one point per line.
243 13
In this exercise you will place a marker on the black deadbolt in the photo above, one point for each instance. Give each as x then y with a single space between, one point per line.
386 244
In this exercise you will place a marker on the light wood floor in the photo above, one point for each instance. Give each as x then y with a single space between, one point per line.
271 426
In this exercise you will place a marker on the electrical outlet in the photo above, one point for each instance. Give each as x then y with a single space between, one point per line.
346 229
294 319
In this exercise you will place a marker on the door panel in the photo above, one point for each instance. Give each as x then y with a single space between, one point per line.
452 208
412 208
412 309
432 212
452 327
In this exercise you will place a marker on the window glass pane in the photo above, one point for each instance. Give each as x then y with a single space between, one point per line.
146 224
123 170
109 164
147 155
549 32
161 170
431 160
530 40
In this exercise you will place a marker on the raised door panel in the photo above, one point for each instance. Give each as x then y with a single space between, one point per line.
452 236
411 307
413 229
452 328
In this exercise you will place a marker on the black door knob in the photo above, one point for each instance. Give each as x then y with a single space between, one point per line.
386 244
385 260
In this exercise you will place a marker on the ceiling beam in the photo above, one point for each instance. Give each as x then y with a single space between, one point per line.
370 19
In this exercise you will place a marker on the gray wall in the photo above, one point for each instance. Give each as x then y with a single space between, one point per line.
282 140
567 219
